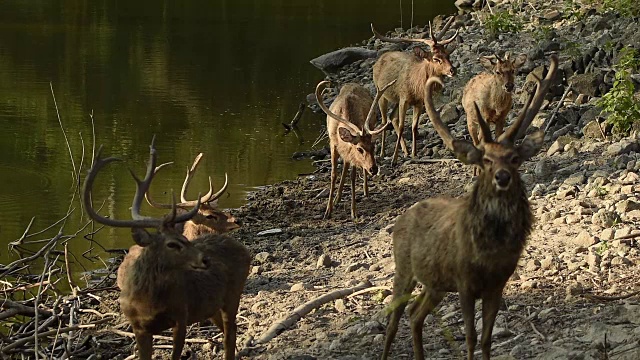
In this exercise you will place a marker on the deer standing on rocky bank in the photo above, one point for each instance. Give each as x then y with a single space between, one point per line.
412 72
174 282
349 122
492 91
469 245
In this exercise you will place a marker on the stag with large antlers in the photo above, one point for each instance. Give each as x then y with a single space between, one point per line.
412 72
209 218
469 245
350 136
492 91
174 282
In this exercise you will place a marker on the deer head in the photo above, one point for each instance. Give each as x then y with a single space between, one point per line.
438 57
173 248
504 69
208 216
360 139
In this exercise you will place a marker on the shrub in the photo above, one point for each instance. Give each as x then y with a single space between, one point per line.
624 7
618 102
503 22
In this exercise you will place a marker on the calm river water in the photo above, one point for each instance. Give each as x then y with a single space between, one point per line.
216 77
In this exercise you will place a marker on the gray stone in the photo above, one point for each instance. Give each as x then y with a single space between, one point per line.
324 261
552 15
587 83
584 239
575 179
615 334
339 305
592 130
624 146
627 205
335 60
604 218
263 257
558 145
449 113
543 168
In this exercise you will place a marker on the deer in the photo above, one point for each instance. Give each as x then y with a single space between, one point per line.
412 72
492 91
174 282
469 245
350 136
209 218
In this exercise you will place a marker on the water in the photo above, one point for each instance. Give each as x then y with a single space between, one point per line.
213 77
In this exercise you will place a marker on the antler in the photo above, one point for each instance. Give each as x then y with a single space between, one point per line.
431 42
440 127
324 108
532 106
207 198
142 186
372 112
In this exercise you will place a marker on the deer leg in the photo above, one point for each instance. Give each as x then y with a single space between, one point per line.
179 334
490 305
402 287
334 165
423 305
414 129
144 341
230 328
217 319
383 105
500 125
353 192
399 127
345 168
366 183
467 303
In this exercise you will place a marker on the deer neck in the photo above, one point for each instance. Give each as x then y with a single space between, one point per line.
419 74
499 220
498 93
151 278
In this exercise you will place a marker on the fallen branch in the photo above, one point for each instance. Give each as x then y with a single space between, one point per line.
555 111
364 291
294 123
304 309
611 298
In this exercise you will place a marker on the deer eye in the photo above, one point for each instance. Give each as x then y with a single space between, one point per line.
487 161
174 246
210 216
499 72
361 150
437 60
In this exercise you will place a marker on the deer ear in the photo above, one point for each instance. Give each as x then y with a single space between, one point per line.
486 62
466 152
347 136
530 145
519 61
421 54
141 236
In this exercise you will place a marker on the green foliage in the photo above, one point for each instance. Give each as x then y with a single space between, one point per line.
573 49
503 22
624 7
544 32
619 102
573 10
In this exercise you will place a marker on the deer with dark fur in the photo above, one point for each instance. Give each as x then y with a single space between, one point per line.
349 122
412 71
469 245
492 91
174 282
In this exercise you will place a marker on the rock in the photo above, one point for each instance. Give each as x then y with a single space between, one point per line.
300 286
353 267
449 113
324 261
532 265
464 4
584 239
339 305
607 234
269 232
615 334
604 218
543 168
263 257
592 130
627 205
573 290
552 15
333 61
587 83
575 179
624 146
558 145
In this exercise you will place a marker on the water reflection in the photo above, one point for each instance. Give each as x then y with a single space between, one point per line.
214 77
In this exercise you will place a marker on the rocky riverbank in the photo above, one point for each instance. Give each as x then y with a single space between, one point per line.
569 297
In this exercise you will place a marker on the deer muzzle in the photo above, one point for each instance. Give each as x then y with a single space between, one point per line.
508 87
452 72
373 170
502 179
